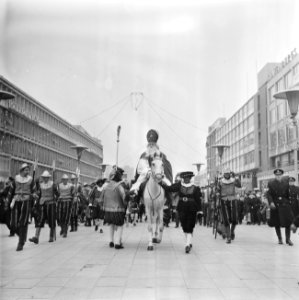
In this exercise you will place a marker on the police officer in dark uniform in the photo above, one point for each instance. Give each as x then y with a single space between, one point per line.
188 206
281 214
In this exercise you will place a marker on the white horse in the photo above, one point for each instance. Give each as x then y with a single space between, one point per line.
154 200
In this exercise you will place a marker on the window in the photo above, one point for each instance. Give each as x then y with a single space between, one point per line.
273 116
281 136
288 80
280 111
271 93
296 69
273 140
279 85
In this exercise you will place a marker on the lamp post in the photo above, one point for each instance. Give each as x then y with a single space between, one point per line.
79 150
220 148
117 145
103 168
292 96
198 166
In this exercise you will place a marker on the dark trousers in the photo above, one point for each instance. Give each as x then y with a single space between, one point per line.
188 220
287 232
74 214
19 219
64 212
229 211
46 212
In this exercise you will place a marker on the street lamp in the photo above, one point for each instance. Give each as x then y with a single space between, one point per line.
103 168
117 143
292 96
79 150
198 166
220 148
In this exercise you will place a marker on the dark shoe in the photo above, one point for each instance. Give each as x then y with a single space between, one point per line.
232 236
19 247
228 241
61 231
190 246
119 246
187 249
111 244
96 228
34 240
72 229
280 241
289 242
101 230
11 234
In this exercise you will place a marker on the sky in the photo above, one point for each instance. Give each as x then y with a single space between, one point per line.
174 66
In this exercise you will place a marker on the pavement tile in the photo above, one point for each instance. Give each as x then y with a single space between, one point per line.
106 293
84 267
205 294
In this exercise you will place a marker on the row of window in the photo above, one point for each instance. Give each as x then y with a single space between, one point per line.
283 83
239 131
282 136
241 163
28 107
28 150
20 125
237 119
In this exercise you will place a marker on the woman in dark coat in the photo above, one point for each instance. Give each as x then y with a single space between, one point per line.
188 206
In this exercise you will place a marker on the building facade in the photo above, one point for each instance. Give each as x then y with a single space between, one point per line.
281 132
260 135
30 131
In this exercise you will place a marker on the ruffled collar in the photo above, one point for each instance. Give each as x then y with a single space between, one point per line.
21 179
46 185
228 181
187 184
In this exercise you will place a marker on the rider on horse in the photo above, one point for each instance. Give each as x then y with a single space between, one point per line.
143 167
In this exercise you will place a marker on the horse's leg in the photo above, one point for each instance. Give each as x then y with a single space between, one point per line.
150 246
160 225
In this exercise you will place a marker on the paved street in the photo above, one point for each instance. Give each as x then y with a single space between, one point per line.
82 266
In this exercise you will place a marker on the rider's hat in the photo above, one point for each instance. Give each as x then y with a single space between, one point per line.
152 136
187 174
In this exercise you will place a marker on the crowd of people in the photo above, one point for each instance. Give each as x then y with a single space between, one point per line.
114 201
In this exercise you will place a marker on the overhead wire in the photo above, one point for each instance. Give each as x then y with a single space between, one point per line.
176 117
106 109
113 118
189 146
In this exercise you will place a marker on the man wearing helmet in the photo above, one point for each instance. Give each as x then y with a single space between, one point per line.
145 160
47 195
20 196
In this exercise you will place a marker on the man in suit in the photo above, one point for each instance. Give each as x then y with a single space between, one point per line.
281 212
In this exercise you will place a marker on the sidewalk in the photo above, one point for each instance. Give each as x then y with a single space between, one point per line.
82 266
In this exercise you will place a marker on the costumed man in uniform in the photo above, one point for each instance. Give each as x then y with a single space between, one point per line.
97 205
294 198
20 197
46 198
78 191
113 196
144 164
229 203
189 204
65 202
281 214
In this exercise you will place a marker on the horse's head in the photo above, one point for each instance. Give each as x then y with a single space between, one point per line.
157 166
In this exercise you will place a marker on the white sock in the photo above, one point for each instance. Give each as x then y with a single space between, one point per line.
189 239
111 232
